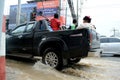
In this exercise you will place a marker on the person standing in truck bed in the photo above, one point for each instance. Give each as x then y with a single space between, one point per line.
55 23
86 23
73 25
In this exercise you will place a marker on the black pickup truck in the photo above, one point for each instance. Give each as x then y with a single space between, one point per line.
57 48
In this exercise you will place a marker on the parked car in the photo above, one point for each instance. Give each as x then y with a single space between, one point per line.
110 45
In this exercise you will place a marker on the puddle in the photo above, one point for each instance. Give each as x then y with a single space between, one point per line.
87 69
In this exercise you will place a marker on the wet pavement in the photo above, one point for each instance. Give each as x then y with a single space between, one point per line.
104 68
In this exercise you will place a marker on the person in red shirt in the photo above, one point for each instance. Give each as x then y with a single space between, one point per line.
55 23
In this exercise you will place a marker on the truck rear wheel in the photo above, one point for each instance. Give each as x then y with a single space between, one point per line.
51 57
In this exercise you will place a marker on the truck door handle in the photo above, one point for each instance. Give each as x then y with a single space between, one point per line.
20 36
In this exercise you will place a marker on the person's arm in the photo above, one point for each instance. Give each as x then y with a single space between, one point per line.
59 24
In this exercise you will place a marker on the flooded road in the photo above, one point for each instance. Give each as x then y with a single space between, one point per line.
105 68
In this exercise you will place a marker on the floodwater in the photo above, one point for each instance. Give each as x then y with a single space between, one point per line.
86 69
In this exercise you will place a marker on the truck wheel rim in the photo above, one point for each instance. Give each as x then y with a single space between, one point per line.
51 59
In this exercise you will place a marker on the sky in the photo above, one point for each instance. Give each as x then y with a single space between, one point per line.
105 14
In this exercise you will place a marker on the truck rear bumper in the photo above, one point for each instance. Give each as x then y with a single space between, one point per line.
95 52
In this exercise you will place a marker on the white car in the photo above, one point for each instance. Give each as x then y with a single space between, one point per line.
110 45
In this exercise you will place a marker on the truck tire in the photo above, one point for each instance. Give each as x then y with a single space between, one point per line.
73 60
51 57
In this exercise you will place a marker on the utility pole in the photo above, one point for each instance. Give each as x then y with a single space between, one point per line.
18 13
66 15
77 11
71 6
2 42
81 4
1 21
114 31
59 8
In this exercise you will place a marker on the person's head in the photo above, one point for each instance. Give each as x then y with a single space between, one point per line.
87 19
56 15
74 21
34 9
40 13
